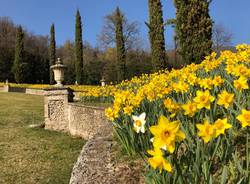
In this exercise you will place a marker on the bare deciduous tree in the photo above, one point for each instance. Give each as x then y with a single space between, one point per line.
7 33
130 30
221 37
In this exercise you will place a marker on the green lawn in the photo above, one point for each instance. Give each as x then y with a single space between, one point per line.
32 155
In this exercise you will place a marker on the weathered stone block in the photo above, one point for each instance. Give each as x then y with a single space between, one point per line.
56 108
6 88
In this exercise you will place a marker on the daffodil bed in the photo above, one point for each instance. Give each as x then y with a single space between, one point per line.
191 125
106 94
45 86
90 93
86 92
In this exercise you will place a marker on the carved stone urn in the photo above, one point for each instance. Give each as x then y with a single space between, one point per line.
58 70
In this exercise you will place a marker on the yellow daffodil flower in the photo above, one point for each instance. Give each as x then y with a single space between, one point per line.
206 131
244 118
241 84
203 99
166 134
225 99
190 108
240 70
206 83
128 110
220 126
109 112
180 87
171 106
217 81
192 79
158 161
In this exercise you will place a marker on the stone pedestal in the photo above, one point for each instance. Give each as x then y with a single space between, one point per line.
6 88
56 108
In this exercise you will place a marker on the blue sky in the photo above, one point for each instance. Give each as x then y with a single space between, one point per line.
37 16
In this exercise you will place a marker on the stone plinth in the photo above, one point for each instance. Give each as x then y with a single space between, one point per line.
6 88
56 108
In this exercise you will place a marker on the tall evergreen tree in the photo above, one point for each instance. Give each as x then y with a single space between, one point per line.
156 35
52 51
120 46
18 66
78 49
193 29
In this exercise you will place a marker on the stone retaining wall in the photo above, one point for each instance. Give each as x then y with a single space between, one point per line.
8 88
98 164
77 119
85 121
34 91
31 91
4 88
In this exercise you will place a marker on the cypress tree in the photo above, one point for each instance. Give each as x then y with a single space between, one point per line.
120 46
193 29
156 35
52 51
18 66
78 49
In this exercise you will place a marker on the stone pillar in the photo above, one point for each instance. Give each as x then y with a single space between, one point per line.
56 108
6 88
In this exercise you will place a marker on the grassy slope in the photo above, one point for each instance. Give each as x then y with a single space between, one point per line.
32 155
